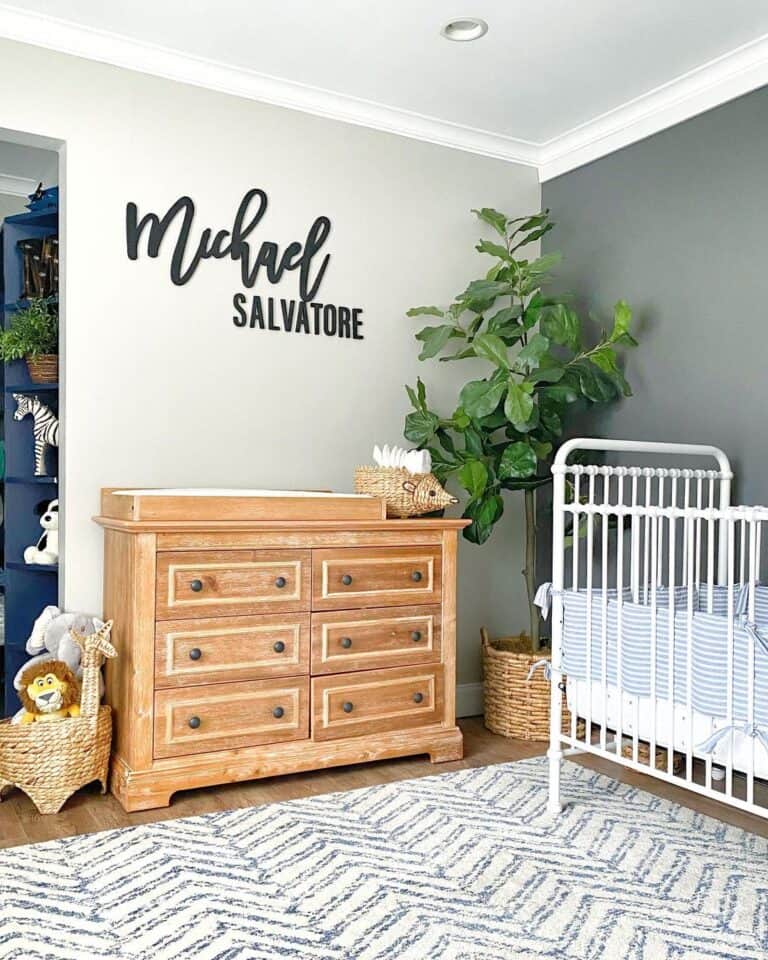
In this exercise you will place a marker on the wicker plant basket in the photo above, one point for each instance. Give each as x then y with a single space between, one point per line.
514 705
43 369
50 761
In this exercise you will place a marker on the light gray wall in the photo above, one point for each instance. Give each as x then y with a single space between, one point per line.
10 205
160 388
32 163
678 225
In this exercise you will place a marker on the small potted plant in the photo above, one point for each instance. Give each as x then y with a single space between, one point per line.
503 432
33 335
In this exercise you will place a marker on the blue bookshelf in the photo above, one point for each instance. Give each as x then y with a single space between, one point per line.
27 587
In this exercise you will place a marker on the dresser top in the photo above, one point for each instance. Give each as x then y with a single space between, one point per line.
210 508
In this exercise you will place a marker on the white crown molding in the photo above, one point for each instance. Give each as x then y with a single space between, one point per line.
16 186
725 78
67 37
729 76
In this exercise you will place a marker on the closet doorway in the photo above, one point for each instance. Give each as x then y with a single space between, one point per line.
29 391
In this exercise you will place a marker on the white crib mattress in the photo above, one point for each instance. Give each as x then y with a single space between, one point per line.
637 716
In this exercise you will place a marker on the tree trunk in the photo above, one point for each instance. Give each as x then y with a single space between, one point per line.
529 572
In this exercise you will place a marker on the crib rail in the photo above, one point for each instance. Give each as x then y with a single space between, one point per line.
664 540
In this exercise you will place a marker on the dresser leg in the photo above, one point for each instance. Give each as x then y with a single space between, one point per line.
449 747
134 796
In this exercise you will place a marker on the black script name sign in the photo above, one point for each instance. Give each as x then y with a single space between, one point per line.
289 316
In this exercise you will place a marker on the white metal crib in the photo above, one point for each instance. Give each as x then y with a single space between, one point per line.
659 621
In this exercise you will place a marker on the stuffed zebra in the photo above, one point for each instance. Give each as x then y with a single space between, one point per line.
45 428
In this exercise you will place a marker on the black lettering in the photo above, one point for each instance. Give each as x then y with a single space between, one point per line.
329 320
237 302
302 320
318 234
288 307
345 317
271 314
257 314
356 324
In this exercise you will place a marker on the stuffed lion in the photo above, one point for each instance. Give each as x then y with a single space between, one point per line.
49 691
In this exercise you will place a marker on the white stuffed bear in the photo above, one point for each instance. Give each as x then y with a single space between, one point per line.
46 550
51 639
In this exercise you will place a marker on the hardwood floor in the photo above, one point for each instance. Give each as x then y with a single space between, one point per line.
88 811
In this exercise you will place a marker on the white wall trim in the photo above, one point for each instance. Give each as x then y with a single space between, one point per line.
725 78
731 75
16 186
469 700
67 37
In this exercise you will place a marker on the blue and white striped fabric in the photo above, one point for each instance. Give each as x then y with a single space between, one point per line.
709 648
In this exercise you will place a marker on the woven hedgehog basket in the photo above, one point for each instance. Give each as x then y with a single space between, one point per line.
49 761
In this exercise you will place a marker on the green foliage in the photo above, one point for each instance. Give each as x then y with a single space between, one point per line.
33 331
507 424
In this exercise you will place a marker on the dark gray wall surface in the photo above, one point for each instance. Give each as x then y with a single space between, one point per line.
678 226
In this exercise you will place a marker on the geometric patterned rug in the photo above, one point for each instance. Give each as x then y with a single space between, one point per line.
460 866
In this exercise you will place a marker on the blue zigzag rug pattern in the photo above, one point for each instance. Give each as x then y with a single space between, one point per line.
462 866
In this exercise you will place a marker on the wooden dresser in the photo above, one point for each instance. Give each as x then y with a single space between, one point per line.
251 646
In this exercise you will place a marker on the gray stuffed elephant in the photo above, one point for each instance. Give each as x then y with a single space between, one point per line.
51 639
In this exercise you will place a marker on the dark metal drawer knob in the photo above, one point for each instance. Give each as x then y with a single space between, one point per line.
278 712
195 653
196 585
347 707
418 697
278 646
416 576
416 636
194 722
280 582
346 579
346 642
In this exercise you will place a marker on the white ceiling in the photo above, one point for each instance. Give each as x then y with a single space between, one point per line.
550 76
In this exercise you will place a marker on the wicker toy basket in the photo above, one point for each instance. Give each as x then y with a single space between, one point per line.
50 761
644 755
406 494
515 706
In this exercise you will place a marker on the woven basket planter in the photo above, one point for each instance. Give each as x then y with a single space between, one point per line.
515 706
43 369
50 760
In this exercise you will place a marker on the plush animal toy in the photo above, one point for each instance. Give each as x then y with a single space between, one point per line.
46 550
51 639
49 691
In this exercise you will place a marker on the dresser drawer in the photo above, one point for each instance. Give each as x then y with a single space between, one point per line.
375 701
222 716
374 577
234 648
367 639
216 583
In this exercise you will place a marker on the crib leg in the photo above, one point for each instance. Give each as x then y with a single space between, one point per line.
554 806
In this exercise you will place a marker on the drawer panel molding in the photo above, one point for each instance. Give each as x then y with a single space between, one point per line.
222 716
375 638
376 701
233 648
359 577
232 582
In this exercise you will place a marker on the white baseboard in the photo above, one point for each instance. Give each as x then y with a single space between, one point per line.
469 700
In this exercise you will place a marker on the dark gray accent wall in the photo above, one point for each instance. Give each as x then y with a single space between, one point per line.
678 226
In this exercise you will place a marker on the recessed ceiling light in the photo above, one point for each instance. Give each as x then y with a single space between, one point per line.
465 28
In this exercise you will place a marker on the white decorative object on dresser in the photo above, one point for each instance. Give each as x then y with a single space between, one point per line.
267 632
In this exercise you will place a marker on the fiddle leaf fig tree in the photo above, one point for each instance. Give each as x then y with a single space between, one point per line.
506 425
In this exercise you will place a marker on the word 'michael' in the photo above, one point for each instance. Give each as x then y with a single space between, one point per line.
302 316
